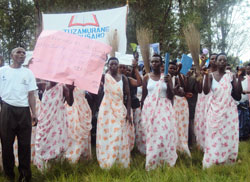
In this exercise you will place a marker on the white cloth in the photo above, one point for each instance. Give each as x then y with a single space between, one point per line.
159 127
15 85
112 135
244 97
151 86
222 125
51 132
121 84
79 125
215 84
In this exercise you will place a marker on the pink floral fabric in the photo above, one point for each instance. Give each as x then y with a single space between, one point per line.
159 124
51 132
140 135
200 126
79 126
131 133
112 140
182 122
222 134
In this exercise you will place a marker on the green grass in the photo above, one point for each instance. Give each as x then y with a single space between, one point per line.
186 169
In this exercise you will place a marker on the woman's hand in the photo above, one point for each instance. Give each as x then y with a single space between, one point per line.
167 78
203 59
71 87
190 73
199 76
179 66
134 64
128 118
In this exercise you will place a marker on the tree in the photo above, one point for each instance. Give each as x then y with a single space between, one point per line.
166 18
223 22
17 25
233 61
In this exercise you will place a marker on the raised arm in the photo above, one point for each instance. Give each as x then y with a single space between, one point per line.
127 90
144 88
207 83
182 80
68 94
170 89
138 81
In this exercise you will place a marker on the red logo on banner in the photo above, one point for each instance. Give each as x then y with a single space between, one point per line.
72 23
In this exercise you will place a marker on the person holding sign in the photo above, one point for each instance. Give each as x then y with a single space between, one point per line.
51 132
17 88
222 133
158 117
112 141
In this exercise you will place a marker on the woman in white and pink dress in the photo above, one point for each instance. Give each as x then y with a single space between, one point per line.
51 131
158 117
79 125
222 133
180 105
202 108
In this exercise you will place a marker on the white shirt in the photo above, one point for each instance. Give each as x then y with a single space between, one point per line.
244 84
15 85
152 85
120 83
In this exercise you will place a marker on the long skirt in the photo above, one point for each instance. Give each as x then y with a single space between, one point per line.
244 120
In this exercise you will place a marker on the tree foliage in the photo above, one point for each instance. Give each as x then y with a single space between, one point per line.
17 25
20 21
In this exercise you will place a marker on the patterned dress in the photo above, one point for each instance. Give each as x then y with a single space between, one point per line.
182 122
200 125
112 141
159 123
79 126
222 134
51 132
140 134
131 133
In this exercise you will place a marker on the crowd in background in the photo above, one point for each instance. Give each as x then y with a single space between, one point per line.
158 114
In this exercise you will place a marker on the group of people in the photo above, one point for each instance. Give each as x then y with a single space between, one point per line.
154 112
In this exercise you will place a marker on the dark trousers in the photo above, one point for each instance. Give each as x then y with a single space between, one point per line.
16 121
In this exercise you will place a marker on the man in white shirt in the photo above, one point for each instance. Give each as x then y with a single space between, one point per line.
17 87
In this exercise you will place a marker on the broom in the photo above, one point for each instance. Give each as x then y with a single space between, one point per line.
113 41
192 37
144 37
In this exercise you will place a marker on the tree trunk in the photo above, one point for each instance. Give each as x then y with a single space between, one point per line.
38 16
223 32
210 28
164 21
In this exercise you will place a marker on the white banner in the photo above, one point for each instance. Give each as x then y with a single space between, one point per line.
94 25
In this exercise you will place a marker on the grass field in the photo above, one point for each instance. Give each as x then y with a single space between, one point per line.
186 169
